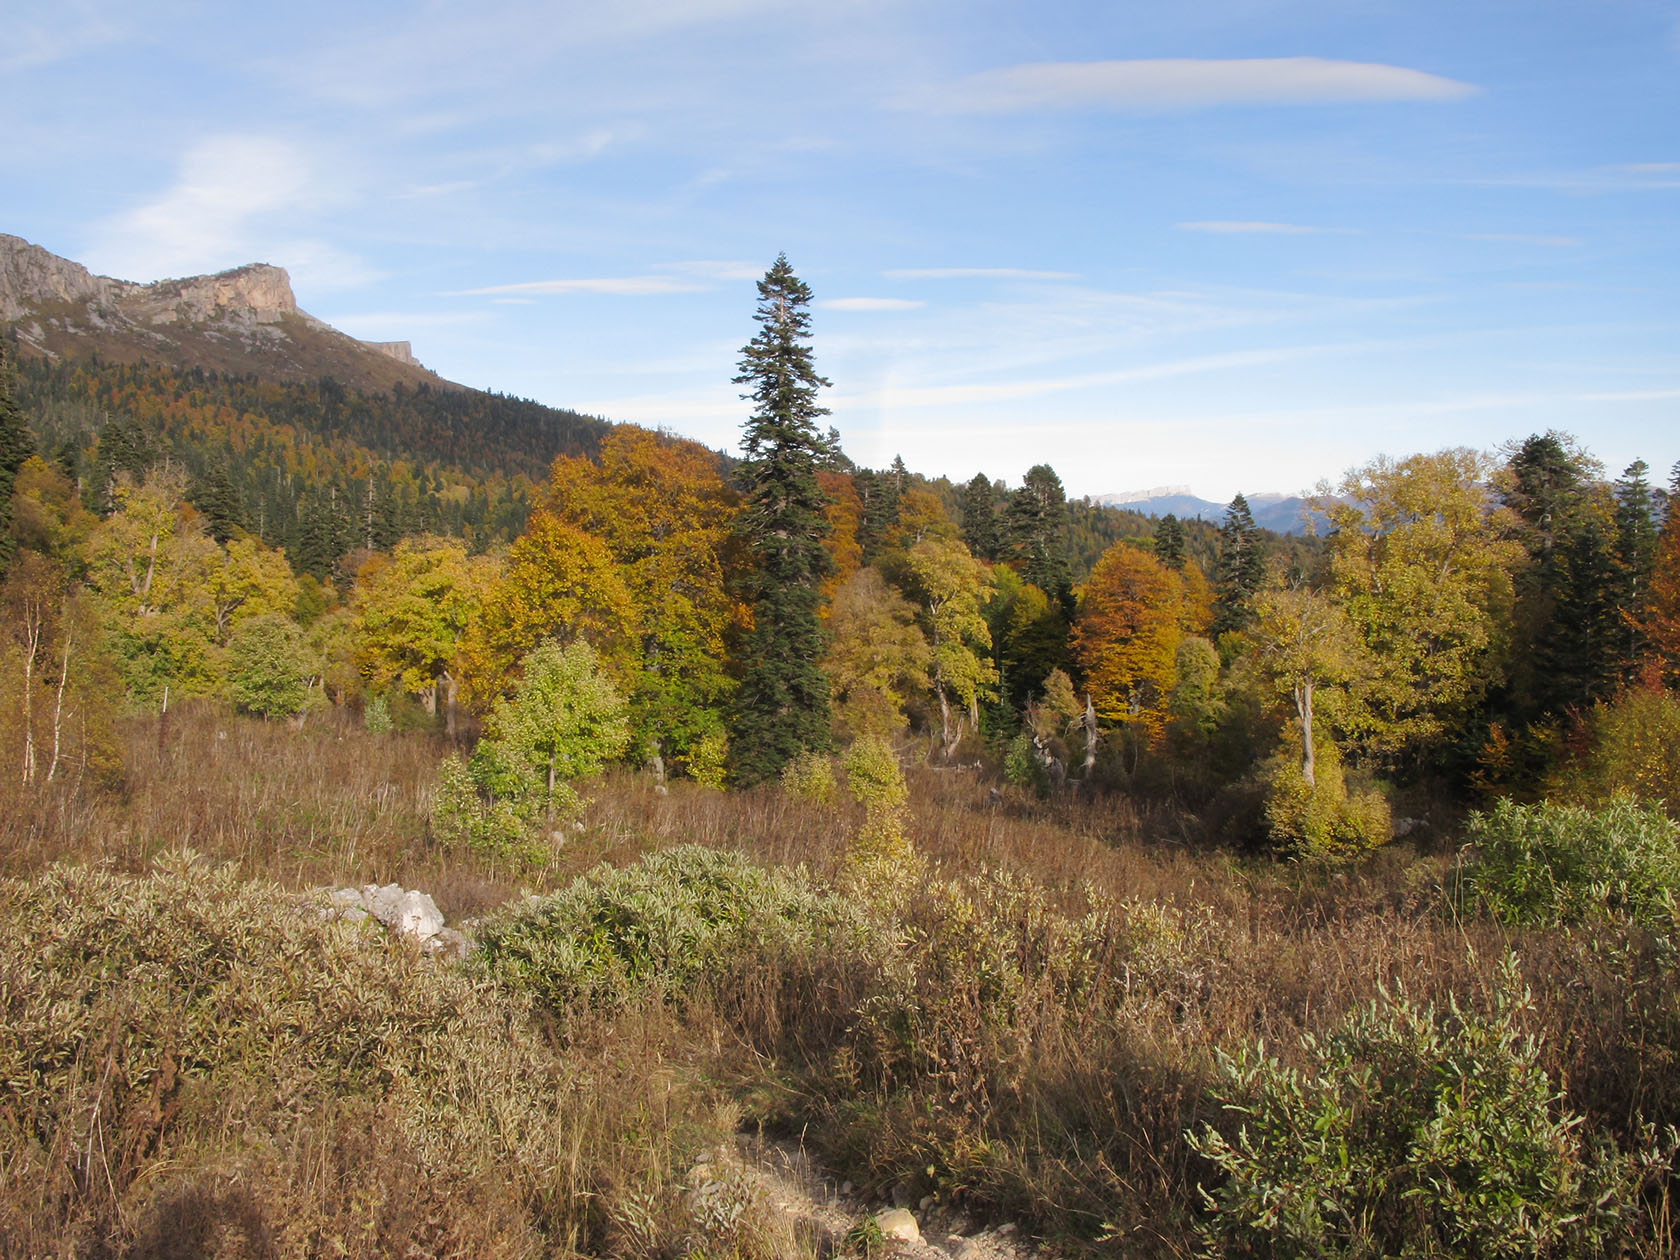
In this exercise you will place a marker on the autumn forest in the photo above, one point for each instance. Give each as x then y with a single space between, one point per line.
1170 887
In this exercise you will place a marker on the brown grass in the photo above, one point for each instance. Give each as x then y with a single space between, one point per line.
1059 1094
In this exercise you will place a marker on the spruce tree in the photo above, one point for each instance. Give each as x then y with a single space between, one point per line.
1169 542
979 518
1037 520
1240 570
1636 551
782 706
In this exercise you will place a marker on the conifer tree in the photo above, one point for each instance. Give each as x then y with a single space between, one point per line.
979 518
782 707
1037 520
1169 542
1636 550
1240 570
16 445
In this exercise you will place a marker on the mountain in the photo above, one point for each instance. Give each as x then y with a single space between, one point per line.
241 322
1282 514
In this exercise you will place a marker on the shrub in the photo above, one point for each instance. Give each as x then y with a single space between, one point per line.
1633 748
654 928
810 777
265 667
463 817
1550 863
376 716
188 1054
1324 821
1413 1133
708 760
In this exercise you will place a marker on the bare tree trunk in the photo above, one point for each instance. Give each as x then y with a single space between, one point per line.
1089 723
945 719
450 686
1304 710
58 709
33 617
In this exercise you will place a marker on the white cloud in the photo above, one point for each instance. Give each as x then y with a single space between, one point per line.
620 286
1185 83
1523 238
1239 227
869 304
975 273
235 199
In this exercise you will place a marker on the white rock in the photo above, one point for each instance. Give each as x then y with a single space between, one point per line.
898 1225
382 902
417 916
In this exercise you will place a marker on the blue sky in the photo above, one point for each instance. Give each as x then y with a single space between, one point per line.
1234 245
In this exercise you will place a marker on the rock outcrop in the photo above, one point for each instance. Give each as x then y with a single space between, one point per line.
408 913
234 321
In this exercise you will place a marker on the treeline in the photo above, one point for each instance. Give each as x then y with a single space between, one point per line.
318 469
1489 625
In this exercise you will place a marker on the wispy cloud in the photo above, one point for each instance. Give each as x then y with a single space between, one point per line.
1523 238
59 32
976 273
235 199
619 286
723 269
869 304
1184 83
1240 227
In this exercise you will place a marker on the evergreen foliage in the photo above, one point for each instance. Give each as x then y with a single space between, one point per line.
782 706
1036 523
978 512
1169 542
17 444
1240 569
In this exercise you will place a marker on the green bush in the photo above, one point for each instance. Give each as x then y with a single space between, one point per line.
376 716
1549 863
1413 1133
266 669
1323 822
464 817
655 928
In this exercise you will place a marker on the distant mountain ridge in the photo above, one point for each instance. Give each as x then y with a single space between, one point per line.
1282 514
236 322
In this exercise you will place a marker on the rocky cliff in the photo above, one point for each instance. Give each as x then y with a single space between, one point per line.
235 321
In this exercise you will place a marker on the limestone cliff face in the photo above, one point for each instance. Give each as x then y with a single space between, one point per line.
240 320
257 292
31 277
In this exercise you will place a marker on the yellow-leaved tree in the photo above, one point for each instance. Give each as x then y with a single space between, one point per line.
1421 558
951 587
413 614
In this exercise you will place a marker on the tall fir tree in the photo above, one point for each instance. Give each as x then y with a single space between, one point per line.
1037 524
979 518
782 706
1169 542
1636 550
1240 570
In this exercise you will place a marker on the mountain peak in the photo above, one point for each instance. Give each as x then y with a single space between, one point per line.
235 321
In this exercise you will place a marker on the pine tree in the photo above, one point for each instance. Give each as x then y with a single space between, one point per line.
782 707
1240 569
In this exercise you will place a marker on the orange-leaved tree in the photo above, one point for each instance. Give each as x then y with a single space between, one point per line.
1125 636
